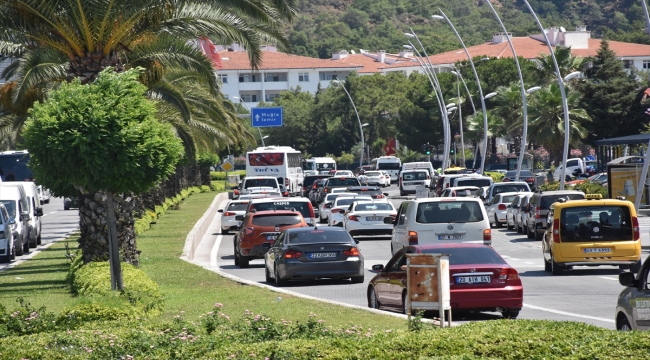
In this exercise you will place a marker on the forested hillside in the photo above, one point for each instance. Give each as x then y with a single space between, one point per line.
325 26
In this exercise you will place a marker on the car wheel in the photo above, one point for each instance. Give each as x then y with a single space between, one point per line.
357 279
276 274
404 308
529 234
373 303
236 255
6 258
47 201
38 240
508 226
66 207
538 236
547 265
243 261
33 244
510 313
267 274
224 232
623 324
19 249
636 267
556 269
497 224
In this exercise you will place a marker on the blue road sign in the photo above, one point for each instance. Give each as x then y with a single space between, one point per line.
266 117
590 158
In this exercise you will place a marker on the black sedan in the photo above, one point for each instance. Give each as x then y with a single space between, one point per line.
373 191
313 253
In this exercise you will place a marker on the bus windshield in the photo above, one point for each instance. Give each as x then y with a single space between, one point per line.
14 168
388 166
266 159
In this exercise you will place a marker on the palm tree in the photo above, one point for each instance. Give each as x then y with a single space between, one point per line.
495 128
565 61
407 155
546 118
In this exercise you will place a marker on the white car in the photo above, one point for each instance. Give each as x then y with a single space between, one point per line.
514 210
44 194
230 212
340 206
462 191
408 180
375 178
325 207
386 176
339 190
367 218
440 220
343 173
498 207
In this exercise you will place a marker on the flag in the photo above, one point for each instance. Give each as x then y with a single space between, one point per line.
210 52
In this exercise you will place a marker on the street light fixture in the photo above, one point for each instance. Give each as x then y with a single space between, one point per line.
478 83
358 119
492 94
533 89
572 75
249 110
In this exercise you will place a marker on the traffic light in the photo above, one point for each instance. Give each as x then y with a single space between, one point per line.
451 151
428 149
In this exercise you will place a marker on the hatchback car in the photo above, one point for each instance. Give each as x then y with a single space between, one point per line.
592 232
479 280
259 230
538 209
375 178
439 220
513 210
313 253
367 218
230 212
633 305
325 207
498 207
302 205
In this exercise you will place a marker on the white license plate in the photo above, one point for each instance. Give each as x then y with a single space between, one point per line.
271 237
473 280
322 255
374 218
450 237
597 250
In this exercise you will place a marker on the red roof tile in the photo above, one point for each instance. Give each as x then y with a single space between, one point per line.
236 60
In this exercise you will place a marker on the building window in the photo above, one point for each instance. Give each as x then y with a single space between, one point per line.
328 76
303 77
646 64
628 64
271 77
223 78
249 97
271 97
247 78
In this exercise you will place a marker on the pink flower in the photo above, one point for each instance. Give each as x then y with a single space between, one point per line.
219 305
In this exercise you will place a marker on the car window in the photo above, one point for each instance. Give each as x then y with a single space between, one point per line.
398 261
341 202
507 199
343 182
10 205
495 199
301 206
449 212
318 236
596 223
510 188
469 255
273 220
473 182
411 176
373 207
571 163
280 239
372 173
366 191
237 207
403 209
547 200
260 183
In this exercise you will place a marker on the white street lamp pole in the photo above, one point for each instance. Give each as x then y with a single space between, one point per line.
524 132
560 83
358 119
647 17
460 120
478 83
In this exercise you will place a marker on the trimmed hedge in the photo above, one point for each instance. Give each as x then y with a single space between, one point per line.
221 175
496 176
144 223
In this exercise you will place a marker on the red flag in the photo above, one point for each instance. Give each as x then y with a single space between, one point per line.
210 52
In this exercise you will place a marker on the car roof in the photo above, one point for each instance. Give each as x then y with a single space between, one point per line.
319 228
363 187
560 192
509 183
508 193
600 202
443 199
274 199
464 187
448 245
275 212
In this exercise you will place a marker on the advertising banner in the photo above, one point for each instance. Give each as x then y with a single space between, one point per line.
623 181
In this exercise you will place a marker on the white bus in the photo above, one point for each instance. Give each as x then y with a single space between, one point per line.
281 162
389 164
319 164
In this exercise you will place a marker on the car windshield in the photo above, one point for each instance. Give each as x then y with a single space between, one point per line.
547 200
595 223
10 205
463 192
260 183
449 212
507 199
300 206
237 206
273 220
373 207
310 179
318 236
366 191
388 166
468 255
471 182
410 176
341 202
510 188
343 182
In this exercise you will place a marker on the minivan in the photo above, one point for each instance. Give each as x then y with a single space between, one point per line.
35 211
7 245
538 206
13 197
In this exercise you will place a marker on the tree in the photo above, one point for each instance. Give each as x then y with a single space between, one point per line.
565 61
495 129
612 97
108 130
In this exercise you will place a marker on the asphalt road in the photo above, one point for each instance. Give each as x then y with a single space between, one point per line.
56 224
585 294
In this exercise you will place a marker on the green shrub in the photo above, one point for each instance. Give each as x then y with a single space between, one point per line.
550 186
496 176
221 175
74 316
25 320
218 186
93 279
592 188
205 188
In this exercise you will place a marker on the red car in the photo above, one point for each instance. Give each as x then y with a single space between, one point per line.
479 279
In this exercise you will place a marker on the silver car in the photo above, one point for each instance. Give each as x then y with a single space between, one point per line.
633 305
229 214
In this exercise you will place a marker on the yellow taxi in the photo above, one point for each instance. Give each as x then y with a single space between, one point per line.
592 232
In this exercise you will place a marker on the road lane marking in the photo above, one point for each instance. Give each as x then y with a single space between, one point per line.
560 312
215 250
606 278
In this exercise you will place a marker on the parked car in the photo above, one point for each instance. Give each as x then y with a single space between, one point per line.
44 194
229 213
591 232
524 175
513 210
70 202
498 208
259 230
15 201
35 211
439 220
633 302
538 209
522 213
313 253
479 280
367 218
7 244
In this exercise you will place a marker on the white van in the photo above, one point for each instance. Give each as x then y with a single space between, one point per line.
571 166
390 164
35 211
422 165
7 250
13 197
410 179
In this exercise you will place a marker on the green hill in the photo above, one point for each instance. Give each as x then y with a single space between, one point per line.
326 26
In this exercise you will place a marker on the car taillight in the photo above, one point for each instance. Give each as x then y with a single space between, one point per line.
292 254
447 185
635 227
337 210
285 194
324 189
327 206
286 181
354 217
508 274
236 192
380 197
352 252
530 179
502 207
487 237
229 213
413 238
538 212
249 231
556 231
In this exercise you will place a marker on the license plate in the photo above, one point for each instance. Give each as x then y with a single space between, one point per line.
271 237
374 218
473 280
597 250
450 237
322 255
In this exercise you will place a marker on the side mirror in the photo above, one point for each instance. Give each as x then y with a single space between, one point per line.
627 279
380 267
11 222
39 211
239 217
356 241
220 210
509 206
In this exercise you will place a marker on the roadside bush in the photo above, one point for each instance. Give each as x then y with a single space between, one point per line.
205 188
25 320
221 175
74 316
550 186
592 188
496 176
